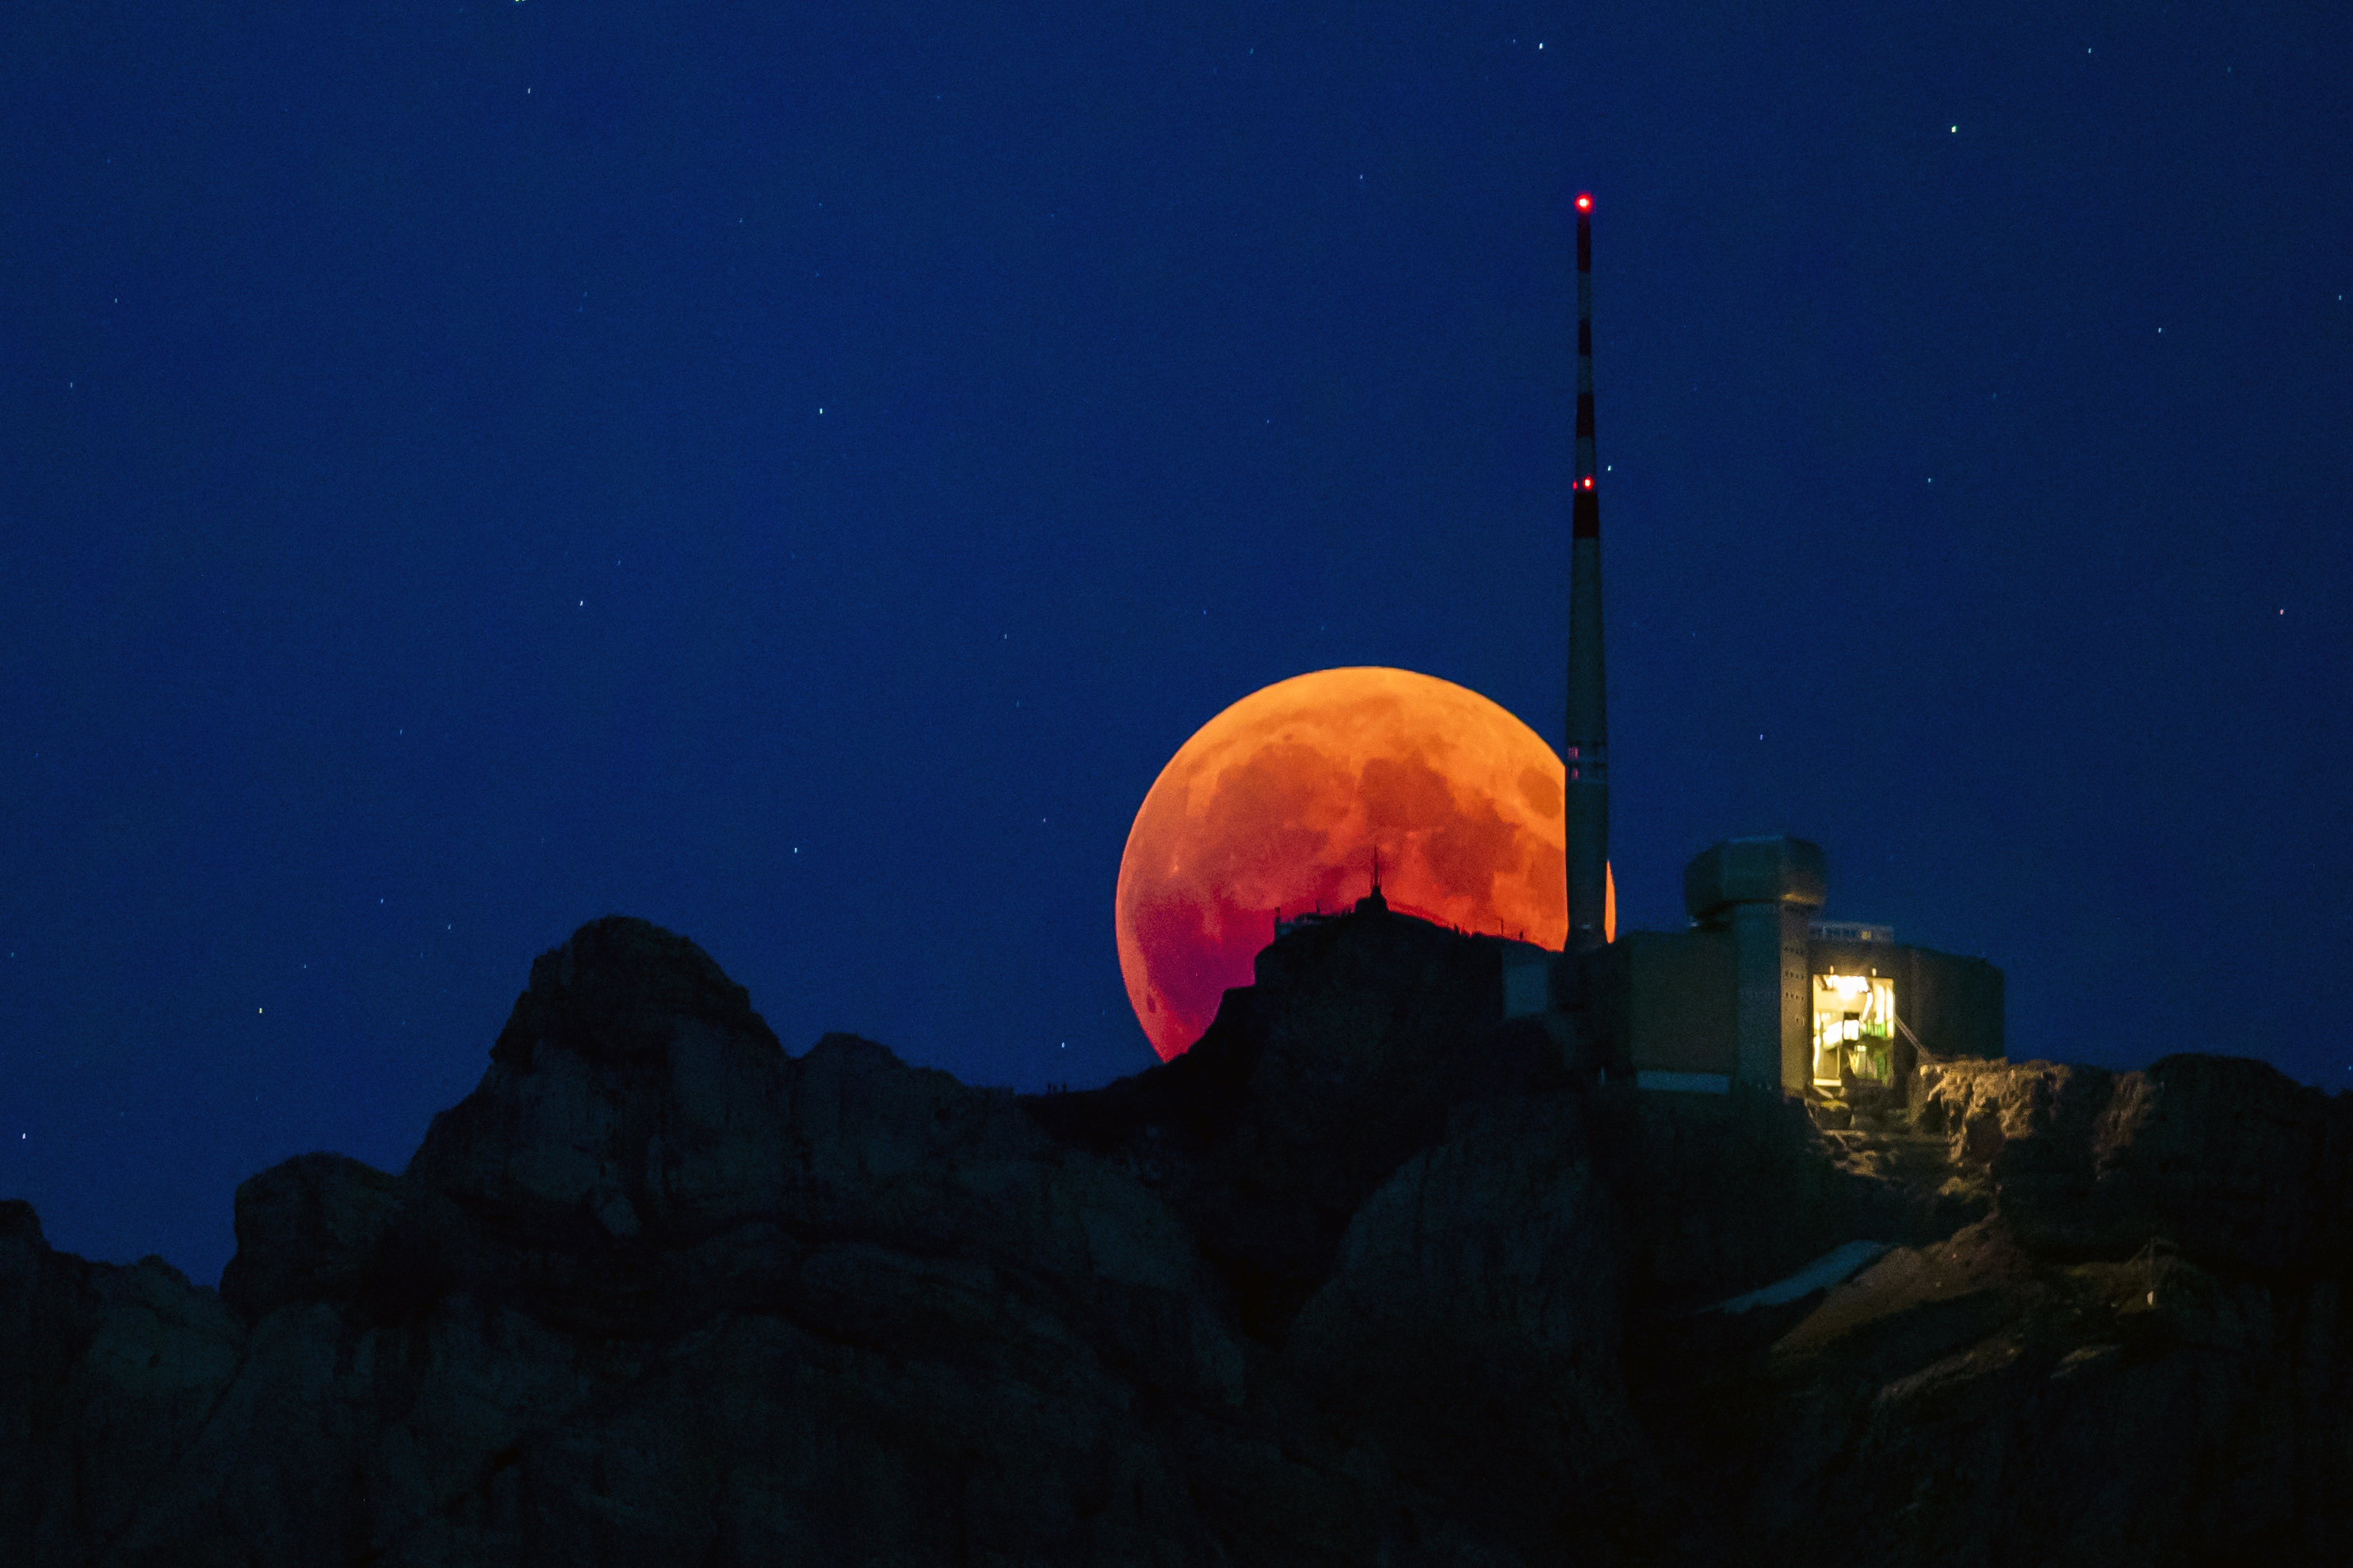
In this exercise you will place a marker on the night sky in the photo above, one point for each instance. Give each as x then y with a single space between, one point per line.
796 473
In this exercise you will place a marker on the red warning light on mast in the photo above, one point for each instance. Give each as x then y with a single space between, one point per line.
1584 202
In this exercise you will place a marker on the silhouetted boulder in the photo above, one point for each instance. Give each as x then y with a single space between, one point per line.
303 1229
2219 1156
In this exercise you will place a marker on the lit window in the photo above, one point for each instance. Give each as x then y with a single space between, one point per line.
1854 1030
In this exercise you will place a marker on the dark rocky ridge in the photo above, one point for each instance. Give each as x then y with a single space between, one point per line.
1361 1278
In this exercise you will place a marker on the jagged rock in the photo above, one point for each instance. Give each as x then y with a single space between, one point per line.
2224 1157
1308 1090
2140 1357
303 1229
1977 1404
837 1239
107 1374
2242 1168
1471 1329
632 1079
1365 1277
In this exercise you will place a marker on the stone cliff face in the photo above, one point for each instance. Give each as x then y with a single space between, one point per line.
1362 1278
2139 1355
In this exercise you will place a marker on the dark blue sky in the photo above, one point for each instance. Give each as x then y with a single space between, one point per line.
795 474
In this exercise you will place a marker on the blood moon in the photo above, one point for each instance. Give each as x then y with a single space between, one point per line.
1278 803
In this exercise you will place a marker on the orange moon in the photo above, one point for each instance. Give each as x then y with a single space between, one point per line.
1278 804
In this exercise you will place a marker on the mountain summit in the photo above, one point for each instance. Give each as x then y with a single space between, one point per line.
1370 1274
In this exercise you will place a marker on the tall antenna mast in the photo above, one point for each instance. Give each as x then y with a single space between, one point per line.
1588 753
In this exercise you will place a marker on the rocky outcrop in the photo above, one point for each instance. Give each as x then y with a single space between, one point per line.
2219 1156
1471 1330
1364 1278
108 1377
2142 1355
304 1228
1307 1091
1972 1402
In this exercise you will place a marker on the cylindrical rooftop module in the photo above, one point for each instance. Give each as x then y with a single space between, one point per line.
1587 751
1775 869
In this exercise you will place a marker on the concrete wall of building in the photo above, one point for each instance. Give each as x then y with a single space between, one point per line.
1666 1001
1672 1001
1775 1022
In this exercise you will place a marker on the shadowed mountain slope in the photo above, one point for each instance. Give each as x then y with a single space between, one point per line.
1366 1276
